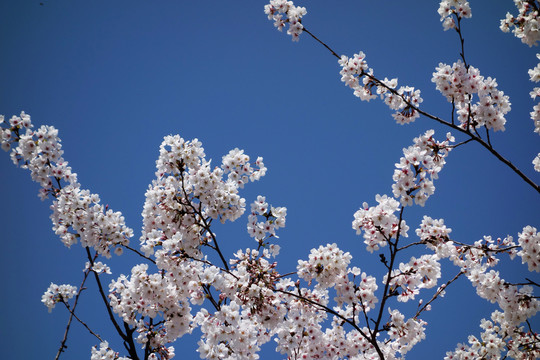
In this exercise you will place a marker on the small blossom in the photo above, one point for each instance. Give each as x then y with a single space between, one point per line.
525 25
57 293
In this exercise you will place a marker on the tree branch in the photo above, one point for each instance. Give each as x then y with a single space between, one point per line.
127 337
436 295
72 314
439 120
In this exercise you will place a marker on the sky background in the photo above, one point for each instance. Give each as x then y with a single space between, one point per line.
115 77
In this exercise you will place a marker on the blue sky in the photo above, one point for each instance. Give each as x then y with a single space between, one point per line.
116 76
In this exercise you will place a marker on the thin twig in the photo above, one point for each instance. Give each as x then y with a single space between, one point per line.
72 314
322 43
436 295
461 143
139 253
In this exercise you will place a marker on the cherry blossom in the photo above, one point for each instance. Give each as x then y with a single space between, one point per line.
98 267
325 265
57 293
327 307
458 8
420 165
529 240
105 353
379 223
524 26
534 75
459 83
494 340
356 75
277 9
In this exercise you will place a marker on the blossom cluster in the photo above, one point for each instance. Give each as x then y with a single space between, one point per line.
105 353
458 83
405 334
180 205
421 273
420 165
229 334
278 9
57 293
534 75
350 293
90 222
379 223
325 264
495 339
151 295
353 297
433 231
274 219
525 25
536 163
77 213
517 303
256 279
356 75
188 193
448 8
98 267
529 240
39 151
249 310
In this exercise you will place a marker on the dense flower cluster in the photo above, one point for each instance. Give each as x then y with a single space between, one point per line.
420 165
277 9
92 223
326 264
57 293
448 8
180 206
105 353
38 151
517 303
249 310
421 273
536 163
534 75
433 231
151 295
529 240
350 293
459 83
274 219
379 223
525 25
229 334
188 193
405 334
77 213
495 339
356 75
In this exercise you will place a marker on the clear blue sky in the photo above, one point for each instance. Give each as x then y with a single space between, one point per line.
116 76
